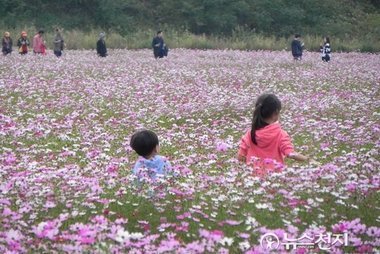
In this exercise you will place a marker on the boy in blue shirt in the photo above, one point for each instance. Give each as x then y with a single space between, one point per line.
145 143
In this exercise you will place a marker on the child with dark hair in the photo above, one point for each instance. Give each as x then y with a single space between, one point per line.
326 50
266 139
146 144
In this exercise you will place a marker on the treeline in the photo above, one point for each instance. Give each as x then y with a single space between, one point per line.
343 19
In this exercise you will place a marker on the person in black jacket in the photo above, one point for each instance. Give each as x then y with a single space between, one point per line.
101 48
23 43
159 47
7 43
297 47
58 43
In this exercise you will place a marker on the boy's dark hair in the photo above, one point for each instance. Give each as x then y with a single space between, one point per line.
266 105
144 142
297 36
158 32
41 31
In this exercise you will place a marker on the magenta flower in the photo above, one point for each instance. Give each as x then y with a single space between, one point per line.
112 168
14 238
46 229
10 159
214 235
222 146
351 187
365 249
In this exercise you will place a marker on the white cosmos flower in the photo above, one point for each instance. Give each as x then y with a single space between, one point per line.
244 246
226 241
262 206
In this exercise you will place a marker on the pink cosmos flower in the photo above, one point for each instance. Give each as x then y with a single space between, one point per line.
86 234
93 153
10 159
215 235
365 248
222 146
46 229
351 187
112 168
13 239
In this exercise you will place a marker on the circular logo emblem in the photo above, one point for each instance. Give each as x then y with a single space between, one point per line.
269 241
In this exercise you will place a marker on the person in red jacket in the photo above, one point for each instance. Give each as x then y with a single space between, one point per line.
39 43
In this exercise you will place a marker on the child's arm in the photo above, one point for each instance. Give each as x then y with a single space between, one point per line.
287 148
243 149
298 157
240 157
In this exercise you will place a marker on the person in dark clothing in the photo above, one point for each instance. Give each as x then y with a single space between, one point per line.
297 47
326 50
101 48
23 43
159 47
58 43
7 43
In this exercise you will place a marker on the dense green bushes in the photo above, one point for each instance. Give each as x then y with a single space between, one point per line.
241 24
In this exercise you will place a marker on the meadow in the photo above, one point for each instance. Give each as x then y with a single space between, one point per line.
65 161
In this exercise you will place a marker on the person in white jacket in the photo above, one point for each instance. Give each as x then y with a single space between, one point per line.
326 50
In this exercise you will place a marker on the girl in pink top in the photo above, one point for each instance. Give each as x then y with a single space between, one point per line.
266 144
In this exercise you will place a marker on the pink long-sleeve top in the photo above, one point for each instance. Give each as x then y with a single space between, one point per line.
272 143
38 44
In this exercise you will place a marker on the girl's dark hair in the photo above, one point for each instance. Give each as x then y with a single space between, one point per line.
144 142
266 105
327 39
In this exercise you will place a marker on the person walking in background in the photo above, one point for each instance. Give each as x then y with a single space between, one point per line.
101 48
326 50
7 44
159 47
297 47
39 43
23 43
58 43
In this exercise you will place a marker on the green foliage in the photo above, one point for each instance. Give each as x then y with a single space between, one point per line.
271 17
200 23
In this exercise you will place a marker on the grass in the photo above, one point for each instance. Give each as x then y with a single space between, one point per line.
240 40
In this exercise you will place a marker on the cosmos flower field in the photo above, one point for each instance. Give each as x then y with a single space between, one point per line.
65 162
